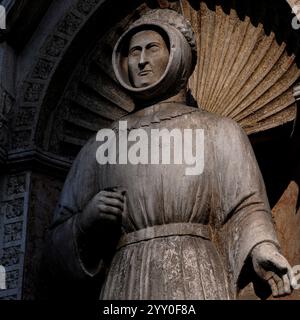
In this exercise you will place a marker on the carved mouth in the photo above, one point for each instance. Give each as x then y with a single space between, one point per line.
145 72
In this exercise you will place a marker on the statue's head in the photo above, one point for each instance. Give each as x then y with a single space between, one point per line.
155 57
148 57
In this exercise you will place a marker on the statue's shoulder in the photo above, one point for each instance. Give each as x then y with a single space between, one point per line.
215 120
89 147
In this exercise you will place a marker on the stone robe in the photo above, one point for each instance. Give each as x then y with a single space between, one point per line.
188 237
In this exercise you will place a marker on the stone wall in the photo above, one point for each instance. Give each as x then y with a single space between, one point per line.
44 194
13 225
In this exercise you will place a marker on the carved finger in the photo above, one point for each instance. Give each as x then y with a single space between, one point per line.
112 194
279 283
279 263
273 287
108 209
293 280
286 284
112 202
110 217
268 275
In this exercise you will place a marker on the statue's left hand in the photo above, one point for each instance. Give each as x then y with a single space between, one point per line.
272 267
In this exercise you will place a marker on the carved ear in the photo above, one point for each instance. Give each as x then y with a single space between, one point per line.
2 278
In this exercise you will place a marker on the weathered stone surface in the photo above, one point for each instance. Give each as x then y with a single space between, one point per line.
13 232
287 218
264 107
11 256
13 216
69 24
15 185
12 209
158 228
54 46
43 198
242 72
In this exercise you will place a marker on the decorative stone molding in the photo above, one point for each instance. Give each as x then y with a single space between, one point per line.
7 100
6 103
39 159
3 138
13 223
47 60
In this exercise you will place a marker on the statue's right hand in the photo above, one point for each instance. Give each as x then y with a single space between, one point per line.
105 207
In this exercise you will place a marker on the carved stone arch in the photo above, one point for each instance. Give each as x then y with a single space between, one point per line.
75 32
258 94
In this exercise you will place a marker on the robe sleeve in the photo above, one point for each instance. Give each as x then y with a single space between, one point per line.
243 215
66 252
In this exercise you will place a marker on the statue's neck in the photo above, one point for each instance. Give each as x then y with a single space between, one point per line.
178 98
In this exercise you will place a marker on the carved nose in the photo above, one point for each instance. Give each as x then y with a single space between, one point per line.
142 62
142 65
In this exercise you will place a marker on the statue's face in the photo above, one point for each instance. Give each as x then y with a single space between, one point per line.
148 57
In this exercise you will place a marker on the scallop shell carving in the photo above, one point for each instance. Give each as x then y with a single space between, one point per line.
241 72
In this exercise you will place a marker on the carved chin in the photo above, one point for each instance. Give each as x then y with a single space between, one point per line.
142 83
146 82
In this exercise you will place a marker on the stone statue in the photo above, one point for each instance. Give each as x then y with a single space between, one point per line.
151 231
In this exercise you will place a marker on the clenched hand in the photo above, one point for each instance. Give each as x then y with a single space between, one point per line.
105 207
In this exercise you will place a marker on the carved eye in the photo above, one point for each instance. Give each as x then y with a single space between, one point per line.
134 52
153 47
